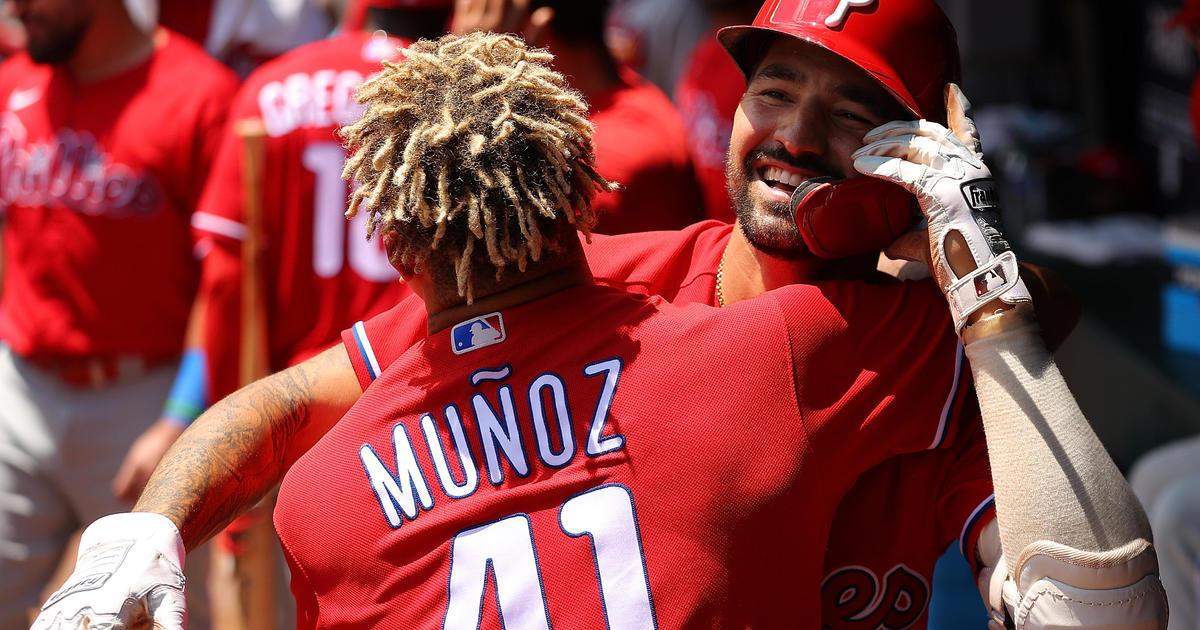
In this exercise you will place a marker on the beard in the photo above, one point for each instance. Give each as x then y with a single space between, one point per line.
769 225
53 41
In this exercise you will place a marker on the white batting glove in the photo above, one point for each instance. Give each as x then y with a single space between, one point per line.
129 574
944 169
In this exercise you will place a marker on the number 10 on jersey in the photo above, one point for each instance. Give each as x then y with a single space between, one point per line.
505 547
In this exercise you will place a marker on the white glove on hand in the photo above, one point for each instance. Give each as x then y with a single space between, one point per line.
129 574
944 169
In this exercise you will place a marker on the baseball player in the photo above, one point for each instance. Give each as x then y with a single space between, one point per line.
321 275
103 152
883 611
556 425
853 594
870 574
707 93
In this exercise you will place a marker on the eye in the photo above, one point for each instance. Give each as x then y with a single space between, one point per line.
772 94
855 119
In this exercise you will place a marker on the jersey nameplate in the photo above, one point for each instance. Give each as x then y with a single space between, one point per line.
508 429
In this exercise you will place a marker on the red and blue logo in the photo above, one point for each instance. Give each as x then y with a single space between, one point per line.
477 333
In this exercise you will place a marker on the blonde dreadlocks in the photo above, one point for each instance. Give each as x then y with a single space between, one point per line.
472 138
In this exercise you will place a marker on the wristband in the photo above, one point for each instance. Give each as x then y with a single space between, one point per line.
189 394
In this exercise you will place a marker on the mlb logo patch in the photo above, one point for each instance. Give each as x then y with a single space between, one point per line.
477 333
989 280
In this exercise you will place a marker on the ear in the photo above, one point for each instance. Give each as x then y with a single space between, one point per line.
537 25
392 244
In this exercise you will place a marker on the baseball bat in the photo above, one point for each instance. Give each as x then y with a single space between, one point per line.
246 571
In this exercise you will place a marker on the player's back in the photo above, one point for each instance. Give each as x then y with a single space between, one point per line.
321 272
928 498
593 452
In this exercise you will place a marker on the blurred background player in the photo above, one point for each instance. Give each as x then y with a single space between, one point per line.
640 139
320 275
103 154
707 93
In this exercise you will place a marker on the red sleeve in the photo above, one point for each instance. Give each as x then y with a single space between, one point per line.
375 343
212 124
218 226
878 367
220 286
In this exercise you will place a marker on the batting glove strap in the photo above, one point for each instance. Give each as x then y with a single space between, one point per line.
129 570
998 278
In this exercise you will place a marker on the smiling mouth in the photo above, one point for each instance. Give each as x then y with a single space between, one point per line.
780 179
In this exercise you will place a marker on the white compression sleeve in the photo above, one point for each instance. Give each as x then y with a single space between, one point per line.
1053 479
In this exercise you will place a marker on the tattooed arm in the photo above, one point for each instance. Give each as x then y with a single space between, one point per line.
241 447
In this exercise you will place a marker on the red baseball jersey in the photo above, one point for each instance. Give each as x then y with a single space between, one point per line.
640 142
321 273
898 518
573 462
98 182
708 93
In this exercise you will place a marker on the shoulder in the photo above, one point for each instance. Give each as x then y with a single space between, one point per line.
179 59
658 262
355 50
19 71
19 63
635 100
860 314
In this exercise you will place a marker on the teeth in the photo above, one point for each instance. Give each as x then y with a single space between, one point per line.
777 174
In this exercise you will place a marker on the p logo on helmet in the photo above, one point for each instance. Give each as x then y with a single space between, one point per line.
838 16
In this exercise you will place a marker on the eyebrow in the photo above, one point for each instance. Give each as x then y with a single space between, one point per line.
878 101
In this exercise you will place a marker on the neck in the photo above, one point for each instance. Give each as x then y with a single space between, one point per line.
575 273
747 271
112 44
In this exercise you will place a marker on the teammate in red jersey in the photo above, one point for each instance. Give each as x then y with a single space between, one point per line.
452 247
707 93
103 153
931 498
887 577
321 275
639 136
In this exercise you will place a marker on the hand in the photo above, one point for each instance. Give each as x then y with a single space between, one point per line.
129 575
143 457
944 169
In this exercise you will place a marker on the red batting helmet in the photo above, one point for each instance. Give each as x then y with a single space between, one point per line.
908 46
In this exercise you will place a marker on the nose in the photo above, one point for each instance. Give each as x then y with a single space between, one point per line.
803 130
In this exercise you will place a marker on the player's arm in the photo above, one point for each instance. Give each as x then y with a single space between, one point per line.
241 447
1075 543
221 466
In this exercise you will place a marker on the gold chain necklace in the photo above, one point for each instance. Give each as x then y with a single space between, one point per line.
720 274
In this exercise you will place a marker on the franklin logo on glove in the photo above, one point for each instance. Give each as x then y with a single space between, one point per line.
981 194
